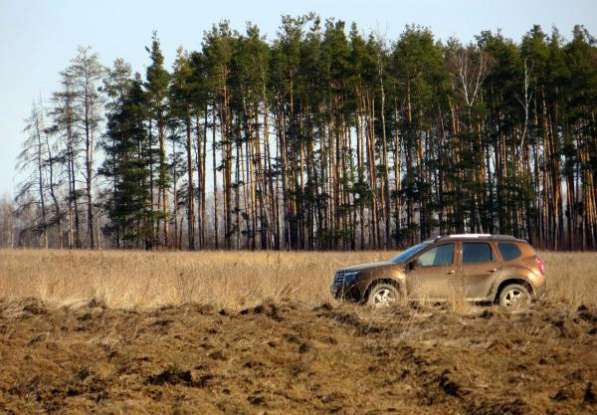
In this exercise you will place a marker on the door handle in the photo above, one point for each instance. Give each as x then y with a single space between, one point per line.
493 270
451 272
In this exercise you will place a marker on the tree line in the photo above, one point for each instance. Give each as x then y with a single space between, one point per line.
324 138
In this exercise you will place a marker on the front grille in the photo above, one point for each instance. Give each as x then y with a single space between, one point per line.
339 279
337 284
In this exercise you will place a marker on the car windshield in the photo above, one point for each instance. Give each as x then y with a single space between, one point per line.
409 253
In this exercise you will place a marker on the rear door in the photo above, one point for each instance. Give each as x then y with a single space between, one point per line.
479 263
432 272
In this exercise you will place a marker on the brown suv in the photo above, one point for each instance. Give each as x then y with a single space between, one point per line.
480 268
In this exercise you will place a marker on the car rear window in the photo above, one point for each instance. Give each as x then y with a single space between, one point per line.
473 252
509 251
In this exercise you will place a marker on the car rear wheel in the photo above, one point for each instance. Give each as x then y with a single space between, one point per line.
515 297
383 295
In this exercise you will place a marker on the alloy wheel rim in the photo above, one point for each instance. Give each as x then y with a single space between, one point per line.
384 297
515 298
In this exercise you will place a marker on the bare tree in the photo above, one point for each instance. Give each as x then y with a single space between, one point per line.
6 223
31 192
87 73
469 66
525 101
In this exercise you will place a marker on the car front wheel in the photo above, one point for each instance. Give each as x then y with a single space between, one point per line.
383 295
515 297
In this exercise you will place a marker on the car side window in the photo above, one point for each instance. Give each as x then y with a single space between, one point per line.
437 257
509 251
475 252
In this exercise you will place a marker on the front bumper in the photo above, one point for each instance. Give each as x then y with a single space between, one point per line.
345 288
351 293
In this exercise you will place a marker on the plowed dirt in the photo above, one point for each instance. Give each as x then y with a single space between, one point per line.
292 358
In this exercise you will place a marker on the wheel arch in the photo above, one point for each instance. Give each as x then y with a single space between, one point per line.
512 280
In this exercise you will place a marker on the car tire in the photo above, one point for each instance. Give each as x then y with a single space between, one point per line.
514 297
383 294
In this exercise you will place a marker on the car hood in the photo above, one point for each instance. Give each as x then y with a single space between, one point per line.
367 267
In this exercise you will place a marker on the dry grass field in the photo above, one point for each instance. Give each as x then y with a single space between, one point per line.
257 333
138 279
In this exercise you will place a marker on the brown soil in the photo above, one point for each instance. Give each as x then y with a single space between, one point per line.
291 358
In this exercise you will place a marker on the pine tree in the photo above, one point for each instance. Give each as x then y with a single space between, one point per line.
126 164
157 94
65 121
181 110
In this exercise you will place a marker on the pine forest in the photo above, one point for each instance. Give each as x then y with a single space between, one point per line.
321 138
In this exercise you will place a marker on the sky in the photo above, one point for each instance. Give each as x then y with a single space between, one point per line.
38 38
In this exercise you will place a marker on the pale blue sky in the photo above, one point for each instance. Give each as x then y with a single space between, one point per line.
38 38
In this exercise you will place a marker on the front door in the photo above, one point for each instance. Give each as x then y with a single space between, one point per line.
430 274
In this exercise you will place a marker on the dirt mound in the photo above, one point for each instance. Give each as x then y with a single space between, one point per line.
289 358
24 308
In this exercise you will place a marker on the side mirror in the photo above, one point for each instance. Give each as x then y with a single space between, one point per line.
411 265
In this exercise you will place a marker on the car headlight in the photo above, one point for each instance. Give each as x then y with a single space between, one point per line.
350 277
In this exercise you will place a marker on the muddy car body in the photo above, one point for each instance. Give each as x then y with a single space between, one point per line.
475 267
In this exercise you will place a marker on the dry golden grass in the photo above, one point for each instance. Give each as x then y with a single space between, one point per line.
124 279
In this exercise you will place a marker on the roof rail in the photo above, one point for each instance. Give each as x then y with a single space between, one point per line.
501 236
469 235
476 235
